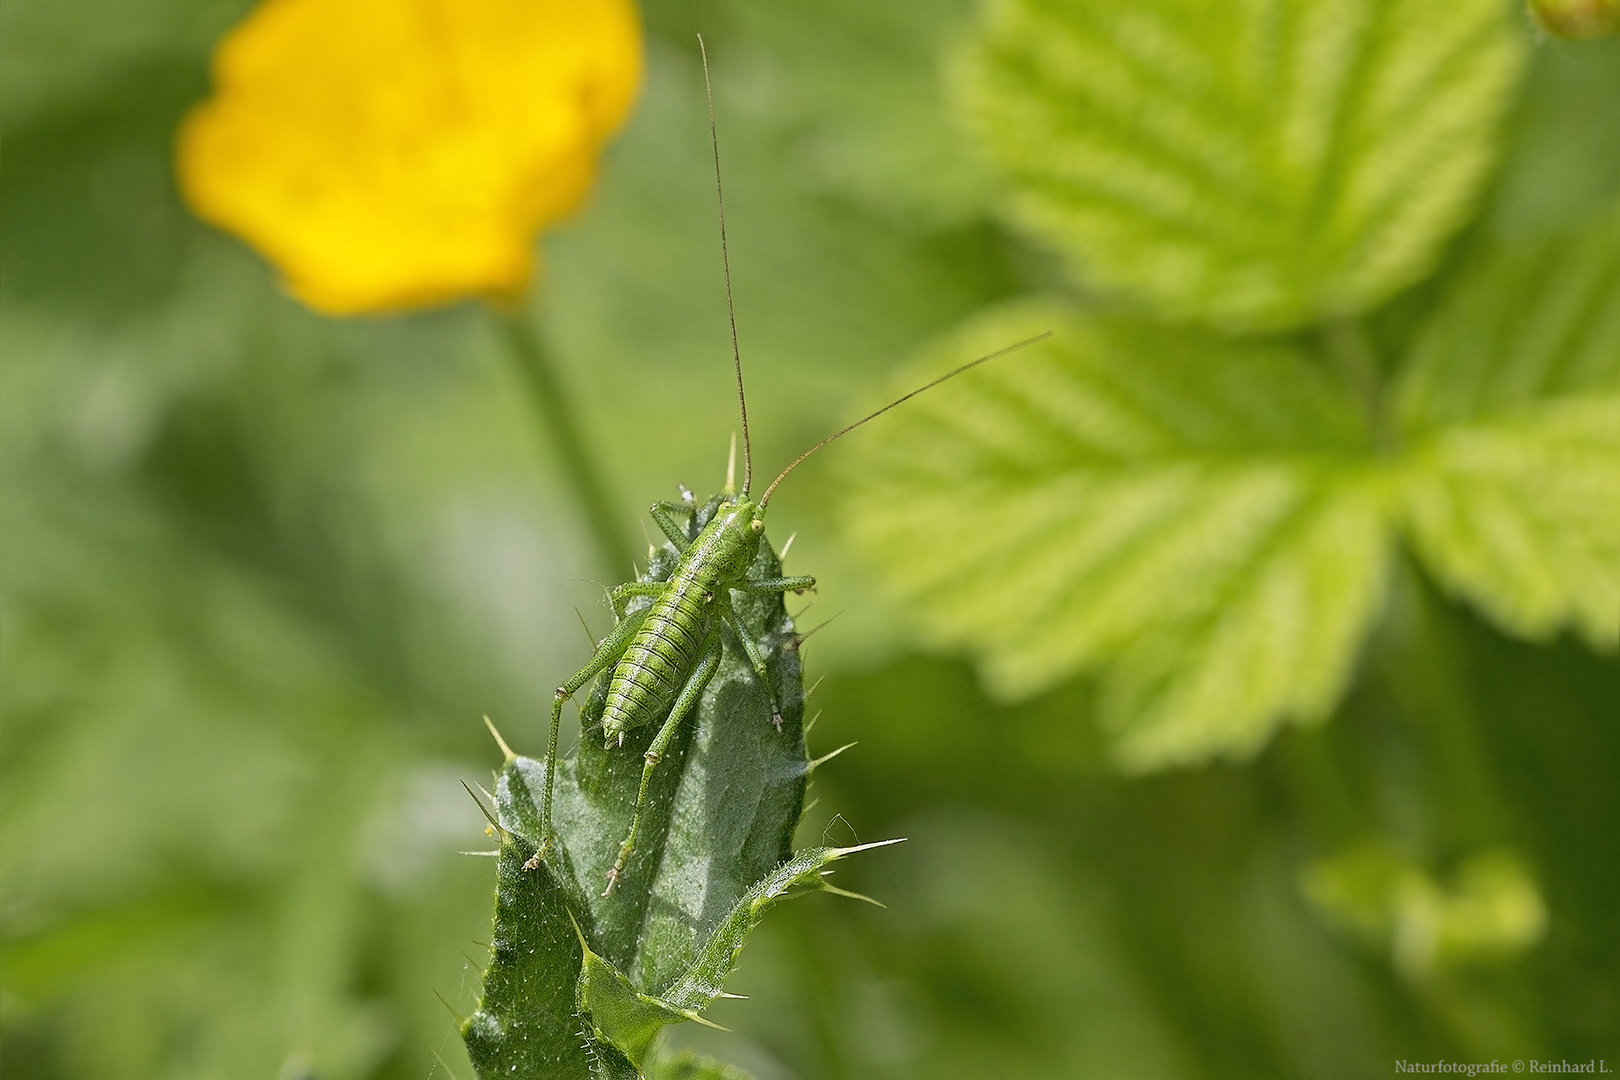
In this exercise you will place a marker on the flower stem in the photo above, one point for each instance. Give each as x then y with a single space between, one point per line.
556 413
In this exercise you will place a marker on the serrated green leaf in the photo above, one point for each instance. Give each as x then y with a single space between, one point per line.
1530 323
1190 516
1511 404
1255 166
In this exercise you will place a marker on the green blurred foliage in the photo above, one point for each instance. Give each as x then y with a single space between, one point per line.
263 572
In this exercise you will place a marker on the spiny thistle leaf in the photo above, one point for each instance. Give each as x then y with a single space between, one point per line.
526 1025
617 1012
631 1020
703 979
1193 517
1511 402
580 984
1255 166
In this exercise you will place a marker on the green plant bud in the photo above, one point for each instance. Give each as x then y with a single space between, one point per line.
580 981
1577 20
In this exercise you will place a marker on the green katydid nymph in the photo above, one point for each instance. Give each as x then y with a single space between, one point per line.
661 656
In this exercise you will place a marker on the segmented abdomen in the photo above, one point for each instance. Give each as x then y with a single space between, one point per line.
659 660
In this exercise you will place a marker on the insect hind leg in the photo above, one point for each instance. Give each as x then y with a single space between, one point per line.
685 703
606 655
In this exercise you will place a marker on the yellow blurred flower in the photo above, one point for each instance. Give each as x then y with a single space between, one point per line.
390 154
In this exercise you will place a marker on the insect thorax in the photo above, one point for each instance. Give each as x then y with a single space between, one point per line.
724 549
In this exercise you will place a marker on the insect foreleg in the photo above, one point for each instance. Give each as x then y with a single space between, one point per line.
778 584
620 593
688 699
607 654
756 660
662 514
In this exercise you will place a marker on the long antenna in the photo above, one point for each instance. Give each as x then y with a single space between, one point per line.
725 261
899 400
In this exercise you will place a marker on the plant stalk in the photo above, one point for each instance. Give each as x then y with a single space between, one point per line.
555 411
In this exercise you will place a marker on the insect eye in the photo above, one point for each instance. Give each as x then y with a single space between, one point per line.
758 526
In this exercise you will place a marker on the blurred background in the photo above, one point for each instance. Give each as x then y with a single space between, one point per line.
264 571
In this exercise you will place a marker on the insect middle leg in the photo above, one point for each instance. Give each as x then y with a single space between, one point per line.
756 658
687 701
